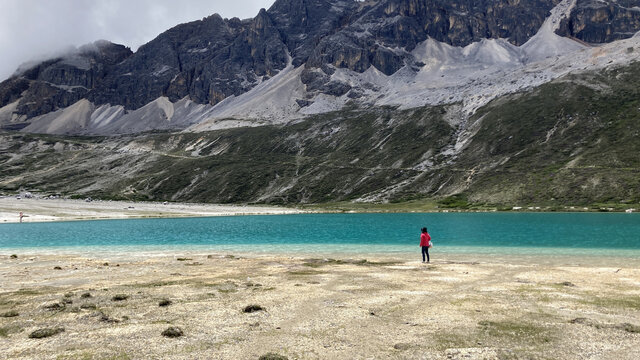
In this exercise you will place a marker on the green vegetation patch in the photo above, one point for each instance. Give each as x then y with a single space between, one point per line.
624 302
516 331
458 201
46 332
5 331
273 356
10 313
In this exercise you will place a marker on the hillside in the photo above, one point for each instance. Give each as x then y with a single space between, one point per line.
572 141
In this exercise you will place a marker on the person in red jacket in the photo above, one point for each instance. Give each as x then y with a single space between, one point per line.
425 243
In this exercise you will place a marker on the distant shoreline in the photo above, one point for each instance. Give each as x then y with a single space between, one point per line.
47 210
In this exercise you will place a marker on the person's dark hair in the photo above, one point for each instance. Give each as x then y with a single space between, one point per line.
424 229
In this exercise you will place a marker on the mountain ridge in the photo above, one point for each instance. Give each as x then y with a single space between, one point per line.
215 61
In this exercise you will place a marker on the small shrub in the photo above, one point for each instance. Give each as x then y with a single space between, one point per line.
57 268
183 259
106 318
67 301
88 306
68 295
172 332
54 306
252 308
402 346
46 332
629 328
85 295
165 302
273 356
457 201
13 256
119 297
10 313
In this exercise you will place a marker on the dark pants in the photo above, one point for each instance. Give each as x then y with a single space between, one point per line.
425 250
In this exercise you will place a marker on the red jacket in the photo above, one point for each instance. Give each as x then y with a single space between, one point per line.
425 239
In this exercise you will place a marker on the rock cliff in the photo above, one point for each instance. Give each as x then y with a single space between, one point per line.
335 52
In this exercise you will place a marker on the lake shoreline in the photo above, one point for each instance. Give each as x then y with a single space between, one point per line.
55 210
50 210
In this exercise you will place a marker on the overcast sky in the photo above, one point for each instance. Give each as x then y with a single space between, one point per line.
30 29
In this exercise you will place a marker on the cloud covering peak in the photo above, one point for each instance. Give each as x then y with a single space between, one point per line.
32 30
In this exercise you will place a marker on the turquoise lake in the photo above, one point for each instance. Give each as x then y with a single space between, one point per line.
510 233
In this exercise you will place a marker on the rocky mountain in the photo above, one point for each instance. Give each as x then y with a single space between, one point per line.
489 101
305 57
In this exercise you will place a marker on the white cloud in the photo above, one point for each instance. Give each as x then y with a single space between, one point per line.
31 29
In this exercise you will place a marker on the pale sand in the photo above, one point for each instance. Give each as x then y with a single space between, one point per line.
385 308
37 210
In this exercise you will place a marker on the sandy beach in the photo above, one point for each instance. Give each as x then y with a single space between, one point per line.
364 307
38 210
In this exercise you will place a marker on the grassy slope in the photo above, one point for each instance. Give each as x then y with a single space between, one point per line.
573 141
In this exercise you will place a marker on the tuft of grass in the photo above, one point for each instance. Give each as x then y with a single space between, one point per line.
24 291
172 332
45 332
10 329
13 256
272 356
86 295
165 302
252 308
519 331
55 307
183 259
120 297
304 272
106 318
625 302
447 340
88 306
10 313
629 328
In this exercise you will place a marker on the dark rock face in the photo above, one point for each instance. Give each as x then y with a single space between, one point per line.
596 21
379 30
207 60
303 23
214 58
61 82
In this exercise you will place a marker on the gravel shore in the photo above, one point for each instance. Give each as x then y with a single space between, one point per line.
243 306
36 210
